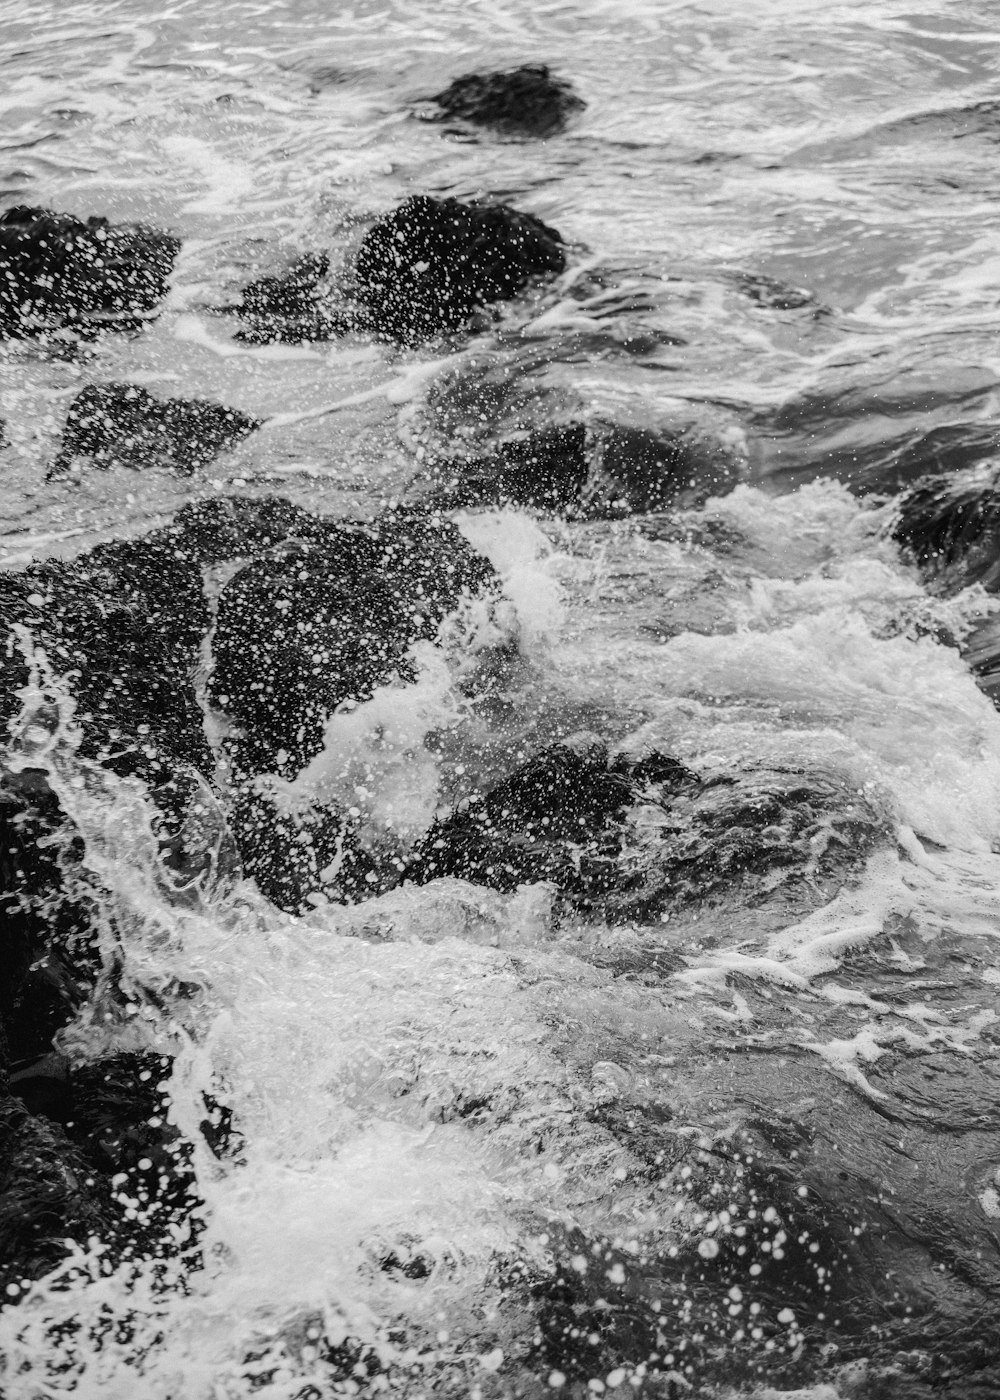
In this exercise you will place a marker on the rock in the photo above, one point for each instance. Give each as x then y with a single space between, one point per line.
429 264
557 818
632 839
227 528
293 307
531 435
597 469
124 425
304 855
44 1196
949 525
525 101
547 470
126 620
58 270
315 624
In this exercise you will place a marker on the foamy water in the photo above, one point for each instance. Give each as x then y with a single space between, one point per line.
429 1078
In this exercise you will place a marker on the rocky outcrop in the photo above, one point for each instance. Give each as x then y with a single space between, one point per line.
124 425
525 101
57 270
429 264
630 839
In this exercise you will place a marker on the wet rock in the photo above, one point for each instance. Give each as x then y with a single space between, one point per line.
304 855
429 264
124 425
530 436
557 818
597 469
547 470
125 621
633 839
316 624
58 270
949 526
292 307
227 528
44 1196
47 960
525 101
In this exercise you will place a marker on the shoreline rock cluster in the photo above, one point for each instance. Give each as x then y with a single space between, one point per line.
296 618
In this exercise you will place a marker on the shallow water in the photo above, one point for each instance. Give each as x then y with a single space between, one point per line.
782 230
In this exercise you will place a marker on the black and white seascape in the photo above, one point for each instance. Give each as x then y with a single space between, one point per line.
500 798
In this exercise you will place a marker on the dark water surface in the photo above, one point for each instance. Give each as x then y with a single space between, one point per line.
782 220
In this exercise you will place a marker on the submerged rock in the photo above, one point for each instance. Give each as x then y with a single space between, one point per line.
124 425
58 270
429 264
292 307
596 469
525 101
950 527
530 435
631 839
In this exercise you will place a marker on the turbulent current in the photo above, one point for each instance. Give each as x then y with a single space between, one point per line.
735 1131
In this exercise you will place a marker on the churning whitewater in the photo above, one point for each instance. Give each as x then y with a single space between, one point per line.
501 655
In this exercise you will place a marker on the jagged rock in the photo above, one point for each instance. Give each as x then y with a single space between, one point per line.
126 621
44 1198
124 425
525 101
634 838
427 265
56 270
318 623
292 307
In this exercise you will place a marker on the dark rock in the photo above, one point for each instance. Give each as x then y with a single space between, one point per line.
318 623
227 528
557 818
124 425
306 856
596 469
293 307
427 265
126 620
44 1196
57 270
526 101
950 527
547 469
532 435
567 817
48 963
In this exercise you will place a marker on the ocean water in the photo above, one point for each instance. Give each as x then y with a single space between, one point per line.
782 230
